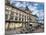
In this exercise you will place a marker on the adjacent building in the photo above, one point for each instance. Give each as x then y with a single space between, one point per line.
16 18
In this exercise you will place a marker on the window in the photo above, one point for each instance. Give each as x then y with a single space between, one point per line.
16 18
22 17
6 16
6 12
11 17
19 17
12 13
16 13
25 18
30 25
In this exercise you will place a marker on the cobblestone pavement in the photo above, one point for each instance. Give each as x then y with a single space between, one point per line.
20 31
38 30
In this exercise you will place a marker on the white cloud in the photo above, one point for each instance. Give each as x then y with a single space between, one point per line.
35 4
32 8
38 14
35 12
17 4
41 14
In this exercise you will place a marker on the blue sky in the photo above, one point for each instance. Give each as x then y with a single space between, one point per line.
36 8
